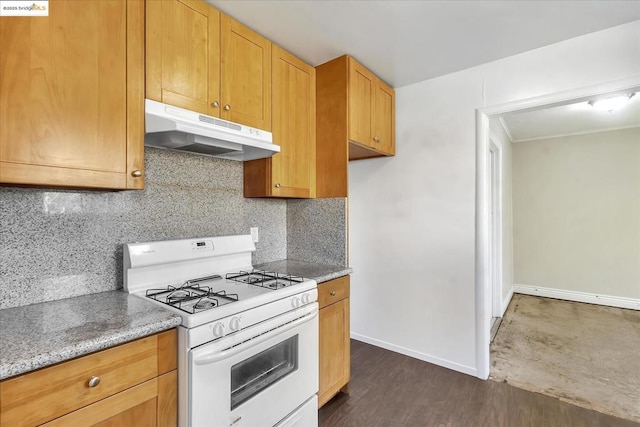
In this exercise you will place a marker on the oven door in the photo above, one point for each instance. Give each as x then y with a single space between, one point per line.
257 376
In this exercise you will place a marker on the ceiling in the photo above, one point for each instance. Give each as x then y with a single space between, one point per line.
404 41
574 118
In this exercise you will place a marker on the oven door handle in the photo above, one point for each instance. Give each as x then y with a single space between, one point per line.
221 355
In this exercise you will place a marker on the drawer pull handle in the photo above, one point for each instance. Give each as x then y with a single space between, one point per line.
94 381
136 173
332 293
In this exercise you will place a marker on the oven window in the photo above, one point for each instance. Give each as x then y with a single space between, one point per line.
258 372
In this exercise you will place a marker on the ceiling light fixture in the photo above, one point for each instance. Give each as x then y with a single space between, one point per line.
613 103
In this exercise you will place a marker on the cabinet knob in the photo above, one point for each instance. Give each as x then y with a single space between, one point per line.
227 107
277 185
376 139
94 381
215 104
136 173
332 293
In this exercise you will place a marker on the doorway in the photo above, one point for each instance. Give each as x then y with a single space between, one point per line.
485 249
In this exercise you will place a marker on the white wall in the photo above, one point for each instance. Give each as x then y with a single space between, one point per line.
499 135
412 229
577 213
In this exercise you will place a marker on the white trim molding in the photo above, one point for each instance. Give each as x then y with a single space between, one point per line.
469 370
507 300
608 300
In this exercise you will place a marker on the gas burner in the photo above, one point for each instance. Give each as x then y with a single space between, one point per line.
191 297
178 295
276 284
252 277
205 304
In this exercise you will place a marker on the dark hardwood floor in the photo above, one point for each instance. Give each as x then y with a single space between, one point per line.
392 390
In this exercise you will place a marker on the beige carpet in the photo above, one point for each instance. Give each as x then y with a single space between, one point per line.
584 354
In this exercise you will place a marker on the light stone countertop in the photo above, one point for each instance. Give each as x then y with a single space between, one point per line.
38 335
318 272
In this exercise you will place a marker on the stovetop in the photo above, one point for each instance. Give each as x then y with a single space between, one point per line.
207 293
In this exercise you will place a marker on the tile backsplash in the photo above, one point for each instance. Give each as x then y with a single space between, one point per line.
61 243
316 231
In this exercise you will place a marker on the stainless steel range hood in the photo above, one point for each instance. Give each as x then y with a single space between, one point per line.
178 129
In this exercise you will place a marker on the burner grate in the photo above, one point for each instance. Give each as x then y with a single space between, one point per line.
265 279
191 297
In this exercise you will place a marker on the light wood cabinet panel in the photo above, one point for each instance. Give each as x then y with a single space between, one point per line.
167 407
362 90
355 120
183 54
71 96
333 291
335 353
129 392
332 115
167 351
290 173
384 124
135 406
246 75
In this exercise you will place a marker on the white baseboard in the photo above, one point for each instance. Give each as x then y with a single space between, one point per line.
507 300
469 370
608 300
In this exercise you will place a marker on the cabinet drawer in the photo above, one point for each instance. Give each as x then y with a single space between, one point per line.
42 395
333 291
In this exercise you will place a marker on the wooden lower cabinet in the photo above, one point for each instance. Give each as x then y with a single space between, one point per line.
137 386
335 352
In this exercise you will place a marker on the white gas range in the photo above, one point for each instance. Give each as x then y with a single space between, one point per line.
248 343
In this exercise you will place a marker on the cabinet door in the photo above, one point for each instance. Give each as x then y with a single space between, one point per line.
362 85
384 119
334 350
71 103
294 119
246 75
183 54
134 406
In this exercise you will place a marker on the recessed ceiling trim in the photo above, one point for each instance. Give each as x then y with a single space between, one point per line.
506 128
564 97
573 133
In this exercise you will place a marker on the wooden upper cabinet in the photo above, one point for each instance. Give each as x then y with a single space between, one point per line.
202 60
362 90
384 123
355 120
246 75
71 96
371 114
290 173
183 55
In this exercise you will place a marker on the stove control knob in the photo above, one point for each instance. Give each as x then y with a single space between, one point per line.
218 330
295 302
306 299
234 324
